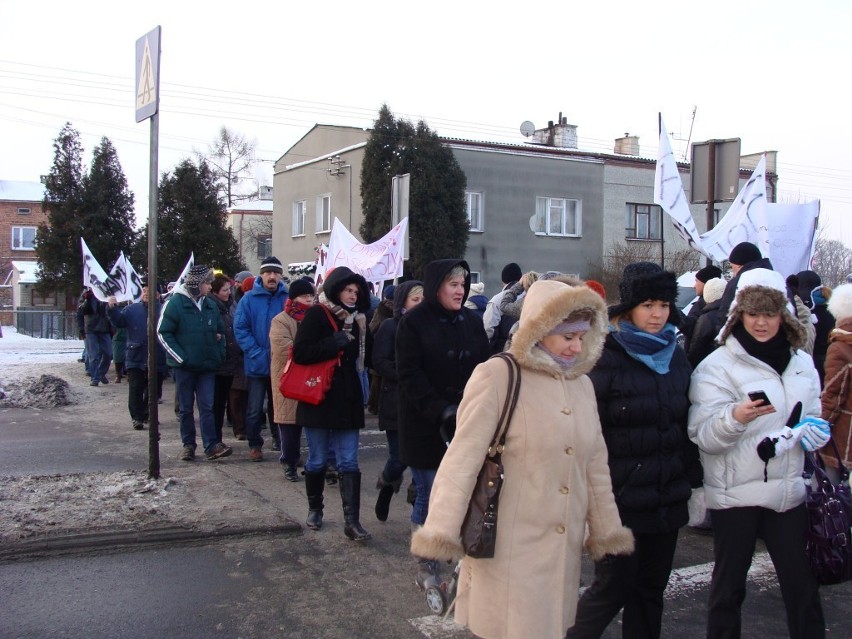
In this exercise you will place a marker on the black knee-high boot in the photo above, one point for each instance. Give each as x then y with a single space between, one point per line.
350 495
314 485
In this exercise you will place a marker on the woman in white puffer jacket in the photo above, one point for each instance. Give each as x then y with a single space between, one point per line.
759 351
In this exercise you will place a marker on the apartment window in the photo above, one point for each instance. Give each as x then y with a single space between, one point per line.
22 210
23 238
475 277
557 216
473 203
323 213
264 246
299 218
643 222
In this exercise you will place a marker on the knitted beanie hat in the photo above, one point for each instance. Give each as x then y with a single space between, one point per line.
714 289
272 264
301 287
743 253
708 273
510 273
198 275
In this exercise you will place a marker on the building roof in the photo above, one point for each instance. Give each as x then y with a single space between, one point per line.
26 270
252 205
14 191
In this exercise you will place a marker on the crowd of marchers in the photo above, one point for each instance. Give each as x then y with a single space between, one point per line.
631 420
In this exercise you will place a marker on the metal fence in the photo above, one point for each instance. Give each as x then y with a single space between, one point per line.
46 324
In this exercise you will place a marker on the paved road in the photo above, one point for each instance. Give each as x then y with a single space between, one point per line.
316 585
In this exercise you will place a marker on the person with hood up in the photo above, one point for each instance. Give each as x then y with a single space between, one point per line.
836 395
556 474
340 416
192 333
641 383
816 296
438 344
750 490
406 296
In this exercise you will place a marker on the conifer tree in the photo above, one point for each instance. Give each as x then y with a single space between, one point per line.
191 220
438 226
58 240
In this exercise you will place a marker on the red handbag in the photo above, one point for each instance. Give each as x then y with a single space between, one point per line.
308 382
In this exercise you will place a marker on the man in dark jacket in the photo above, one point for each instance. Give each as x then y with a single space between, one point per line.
134 318
497 327
745 256
438 344
815 296
251 329
98 339
687 326
192 333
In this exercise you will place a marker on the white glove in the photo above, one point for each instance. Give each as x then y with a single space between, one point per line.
813 433
784 440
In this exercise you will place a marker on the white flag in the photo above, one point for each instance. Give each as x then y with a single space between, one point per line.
379 261
185 272
668 193
94 276
134 282
745 221
118 274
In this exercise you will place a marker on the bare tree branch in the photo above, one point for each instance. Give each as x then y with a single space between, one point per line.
231 157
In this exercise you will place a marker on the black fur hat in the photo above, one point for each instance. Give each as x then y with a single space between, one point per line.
642 281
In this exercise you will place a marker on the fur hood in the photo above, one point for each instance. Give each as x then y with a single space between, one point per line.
547 303
762 290
840 302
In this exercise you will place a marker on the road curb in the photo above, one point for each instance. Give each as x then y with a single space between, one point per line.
124 538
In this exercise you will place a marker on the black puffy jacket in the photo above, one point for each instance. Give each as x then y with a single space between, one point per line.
436 352
643 415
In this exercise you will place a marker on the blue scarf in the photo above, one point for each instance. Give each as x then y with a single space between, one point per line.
655 350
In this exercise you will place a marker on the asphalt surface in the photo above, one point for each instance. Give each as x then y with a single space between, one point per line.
270 577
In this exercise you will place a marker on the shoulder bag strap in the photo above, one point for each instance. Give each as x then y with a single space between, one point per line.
509 404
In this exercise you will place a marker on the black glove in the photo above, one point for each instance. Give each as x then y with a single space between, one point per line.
341 339
448 422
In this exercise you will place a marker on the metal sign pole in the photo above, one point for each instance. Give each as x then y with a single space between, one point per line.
153 306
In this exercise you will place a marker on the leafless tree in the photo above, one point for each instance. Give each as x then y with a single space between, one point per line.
618 255
832 261
231 157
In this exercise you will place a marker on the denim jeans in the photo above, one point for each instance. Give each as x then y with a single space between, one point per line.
190 388
393 467
423 479
258 390
345 446
99 353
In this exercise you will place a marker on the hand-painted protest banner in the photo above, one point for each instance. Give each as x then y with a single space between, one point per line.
745 221
123 282
379 261
668 193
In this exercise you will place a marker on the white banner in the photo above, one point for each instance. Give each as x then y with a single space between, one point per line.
792 231
379 261
118 274
745 221
94 276
668 193
134 282
320 264
185 272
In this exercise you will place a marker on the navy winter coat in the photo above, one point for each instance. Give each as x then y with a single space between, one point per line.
252 323
134 318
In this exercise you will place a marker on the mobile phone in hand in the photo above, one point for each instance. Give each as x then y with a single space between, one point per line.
759 395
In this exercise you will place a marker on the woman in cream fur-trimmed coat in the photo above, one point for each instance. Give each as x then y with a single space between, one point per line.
557 479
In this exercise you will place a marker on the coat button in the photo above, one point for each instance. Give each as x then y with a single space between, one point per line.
564 490
566 410
569 451
560 529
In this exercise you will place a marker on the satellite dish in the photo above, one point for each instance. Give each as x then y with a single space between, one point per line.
527 128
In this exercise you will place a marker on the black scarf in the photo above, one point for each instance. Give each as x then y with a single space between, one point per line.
775 352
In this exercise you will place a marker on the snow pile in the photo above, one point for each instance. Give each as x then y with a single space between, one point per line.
45 391
30 505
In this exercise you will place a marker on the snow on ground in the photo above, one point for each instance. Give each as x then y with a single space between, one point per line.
23 349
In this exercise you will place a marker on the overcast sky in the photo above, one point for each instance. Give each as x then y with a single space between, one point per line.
774 74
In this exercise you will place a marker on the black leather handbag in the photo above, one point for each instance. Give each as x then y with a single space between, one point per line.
829 535
479 529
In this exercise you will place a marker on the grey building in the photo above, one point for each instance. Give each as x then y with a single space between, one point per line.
542 205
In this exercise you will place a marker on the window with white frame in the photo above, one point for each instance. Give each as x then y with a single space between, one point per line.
473 204
558 216
264 246
23 238
643 222
299 218
324 213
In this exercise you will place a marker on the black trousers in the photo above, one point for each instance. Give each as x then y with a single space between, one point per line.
634 582
137 393
735 531
221 391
